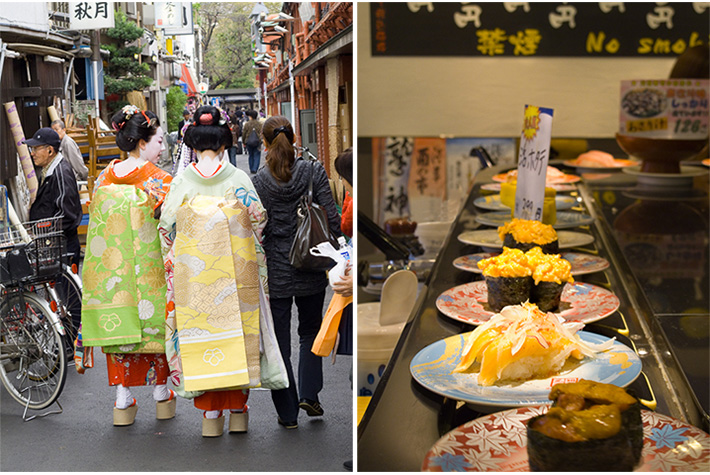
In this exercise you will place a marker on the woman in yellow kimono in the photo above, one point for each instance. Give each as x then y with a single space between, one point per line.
210 230
124 276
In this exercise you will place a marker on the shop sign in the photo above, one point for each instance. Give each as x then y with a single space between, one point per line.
610 29
393 156
90 15
174 18
532 163
665 108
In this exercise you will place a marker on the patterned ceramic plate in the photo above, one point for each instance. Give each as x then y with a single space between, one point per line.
580 302
433 368
560 187
498 443
581 263
565 219
564 178
489 238
619 164
492 202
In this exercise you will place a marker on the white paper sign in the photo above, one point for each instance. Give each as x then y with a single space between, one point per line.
175 18
91 15
532 163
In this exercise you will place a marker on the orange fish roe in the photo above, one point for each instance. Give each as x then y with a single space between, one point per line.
527 231
511 263
548 267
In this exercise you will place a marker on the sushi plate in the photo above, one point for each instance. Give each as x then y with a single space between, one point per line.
581 263
564 178
580 302
619 163
565 219
560 187
489 238
498 443
433 368
492 202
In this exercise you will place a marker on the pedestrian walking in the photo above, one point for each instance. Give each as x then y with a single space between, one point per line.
251 138
70 150
210 228
236 133
58 192
123 307
280 184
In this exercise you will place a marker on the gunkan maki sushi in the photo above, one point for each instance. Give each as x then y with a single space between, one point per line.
508 278
590 427
550 273
525 234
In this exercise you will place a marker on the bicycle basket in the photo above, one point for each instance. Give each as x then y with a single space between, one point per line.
39 244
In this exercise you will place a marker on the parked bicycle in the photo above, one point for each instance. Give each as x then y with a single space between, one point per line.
33 356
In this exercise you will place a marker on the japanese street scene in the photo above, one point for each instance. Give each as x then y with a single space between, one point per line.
166 302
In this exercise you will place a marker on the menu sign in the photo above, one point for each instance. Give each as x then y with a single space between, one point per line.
532 163
665 108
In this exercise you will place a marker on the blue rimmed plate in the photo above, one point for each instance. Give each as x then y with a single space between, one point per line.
565 219
492 202
433 368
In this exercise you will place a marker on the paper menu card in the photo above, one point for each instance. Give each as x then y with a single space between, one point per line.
665 108
532 163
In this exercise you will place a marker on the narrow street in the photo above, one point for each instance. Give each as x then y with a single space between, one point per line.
83 438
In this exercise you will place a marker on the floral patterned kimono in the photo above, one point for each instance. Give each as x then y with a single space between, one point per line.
210 230
124 276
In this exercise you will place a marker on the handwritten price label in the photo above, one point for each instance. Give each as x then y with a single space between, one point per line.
532 163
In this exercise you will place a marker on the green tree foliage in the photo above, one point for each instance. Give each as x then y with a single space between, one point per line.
175 100
123 72
226 41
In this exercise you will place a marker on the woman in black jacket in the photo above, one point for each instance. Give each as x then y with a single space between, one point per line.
280 185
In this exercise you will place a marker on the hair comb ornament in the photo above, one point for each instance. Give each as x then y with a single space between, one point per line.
129 110
206 119
224 117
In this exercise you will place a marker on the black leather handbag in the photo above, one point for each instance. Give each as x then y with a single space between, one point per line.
311 230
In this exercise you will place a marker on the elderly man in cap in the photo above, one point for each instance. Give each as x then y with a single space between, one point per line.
57 194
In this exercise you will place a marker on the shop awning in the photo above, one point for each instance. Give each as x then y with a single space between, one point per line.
186 77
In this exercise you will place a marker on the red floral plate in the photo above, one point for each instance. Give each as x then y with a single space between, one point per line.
498 443
580 302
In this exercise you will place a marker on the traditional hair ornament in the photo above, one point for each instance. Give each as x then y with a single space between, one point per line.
224 117
129 110
206 119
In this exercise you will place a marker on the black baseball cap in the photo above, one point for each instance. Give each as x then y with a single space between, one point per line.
45 136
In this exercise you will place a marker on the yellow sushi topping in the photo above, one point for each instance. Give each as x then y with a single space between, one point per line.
548 267
525 230
511 263
521 343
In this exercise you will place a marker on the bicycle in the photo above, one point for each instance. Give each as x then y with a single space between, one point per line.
33 357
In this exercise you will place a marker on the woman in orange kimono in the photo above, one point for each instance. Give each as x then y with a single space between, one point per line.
138 133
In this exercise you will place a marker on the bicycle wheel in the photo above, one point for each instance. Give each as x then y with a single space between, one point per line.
69 290
32 352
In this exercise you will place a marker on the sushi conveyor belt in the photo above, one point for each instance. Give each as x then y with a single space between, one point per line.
404 419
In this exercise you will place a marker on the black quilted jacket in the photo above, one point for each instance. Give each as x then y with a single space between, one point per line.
281 201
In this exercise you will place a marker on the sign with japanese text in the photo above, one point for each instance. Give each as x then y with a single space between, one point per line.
665 108
174 18
532 163
427 179
91 15
537 29
392 158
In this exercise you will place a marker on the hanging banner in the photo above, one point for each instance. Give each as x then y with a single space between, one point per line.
665 108
175 18
91 15
18 136
515 29
392 156
532 163
427 179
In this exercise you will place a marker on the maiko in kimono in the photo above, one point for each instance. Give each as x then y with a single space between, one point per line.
220 338
123 308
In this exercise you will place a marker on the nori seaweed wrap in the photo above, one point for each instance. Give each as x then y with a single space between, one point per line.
548 248
546 295
591 427
504 291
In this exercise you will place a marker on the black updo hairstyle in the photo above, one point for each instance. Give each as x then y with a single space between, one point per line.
133 126
344 165
208 130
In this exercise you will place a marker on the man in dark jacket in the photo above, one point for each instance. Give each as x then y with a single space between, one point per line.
253 149
57 194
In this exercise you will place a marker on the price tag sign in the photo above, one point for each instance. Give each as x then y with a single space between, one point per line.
532 163
665 108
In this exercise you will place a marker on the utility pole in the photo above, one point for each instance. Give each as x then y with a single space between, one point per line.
96 58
